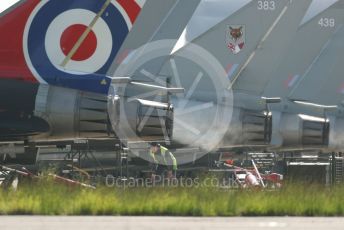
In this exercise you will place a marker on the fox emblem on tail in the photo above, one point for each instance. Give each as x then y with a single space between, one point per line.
235 38
236 33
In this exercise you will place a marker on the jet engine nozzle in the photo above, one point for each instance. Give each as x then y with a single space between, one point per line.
141 113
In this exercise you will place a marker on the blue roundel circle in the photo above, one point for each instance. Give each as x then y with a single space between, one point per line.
61 53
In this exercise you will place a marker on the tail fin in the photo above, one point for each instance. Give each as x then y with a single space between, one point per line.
68 43
169 21
247 39
301 74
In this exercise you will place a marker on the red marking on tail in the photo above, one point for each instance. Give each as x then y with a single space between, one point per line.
286 82
12 61
70 37
132 8
241 45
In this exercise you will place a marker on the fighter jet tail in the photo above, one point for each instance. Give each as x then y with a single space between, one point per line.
66 43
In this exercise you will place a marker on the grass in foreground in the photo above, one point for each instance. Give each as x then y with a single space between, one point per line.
46 198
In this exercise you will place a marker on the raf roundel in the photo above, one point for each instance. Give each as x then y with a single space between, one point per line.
57 52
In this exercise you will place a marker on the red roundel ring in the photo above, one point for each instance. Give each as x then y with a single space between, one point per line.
71 35
55 27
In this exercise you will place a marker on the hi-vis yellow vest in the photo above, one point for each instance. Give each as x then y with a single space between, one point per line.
163 151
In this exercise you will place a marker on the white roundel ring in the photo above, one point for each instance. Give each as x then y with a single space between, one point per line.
91 62
55 28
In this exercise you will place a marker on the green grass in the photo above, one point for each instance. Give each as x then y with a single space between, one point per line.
47 198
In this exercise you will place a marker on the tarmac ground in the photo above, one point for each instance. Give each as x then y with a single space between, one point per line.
167 223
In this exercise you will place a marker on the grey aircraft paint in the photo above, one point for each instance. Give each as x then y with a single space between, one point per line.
308 45
158 20
279 44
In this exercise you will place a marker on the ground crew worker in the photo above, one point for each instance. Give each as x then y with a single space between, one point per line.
162 160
